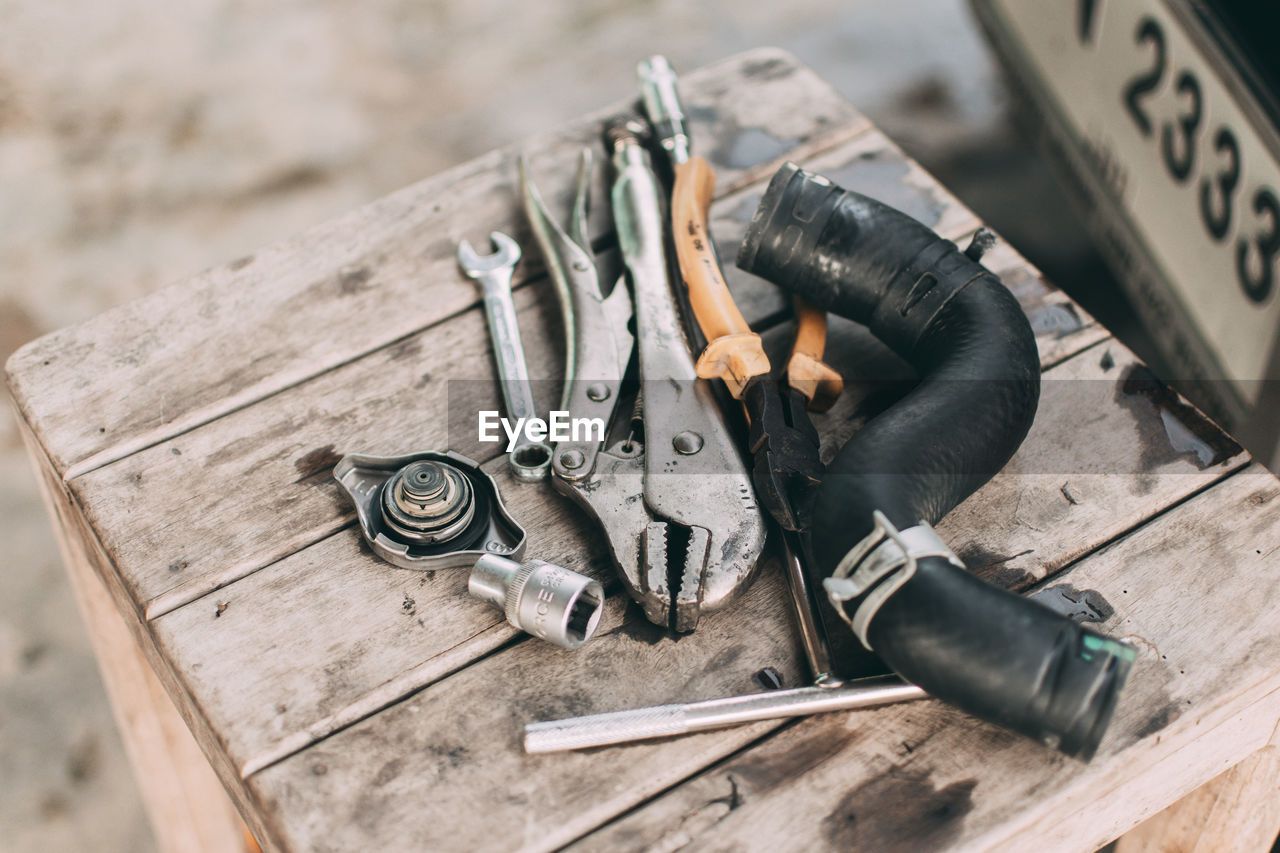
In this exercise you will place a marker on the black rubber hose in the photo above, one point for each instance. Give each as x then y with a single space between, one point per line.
997 655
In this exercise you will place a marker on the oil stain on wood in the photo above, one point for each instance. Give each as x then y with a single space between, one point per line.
899 810
1081 605
767 769
1181 431
990 566
317 462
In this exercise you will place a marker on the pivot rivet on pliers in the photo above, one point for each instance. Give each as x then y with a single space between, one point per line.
598 393
572 459
687 442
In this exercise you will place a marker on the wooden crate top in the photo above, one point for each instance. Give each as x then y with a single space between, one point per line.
189 438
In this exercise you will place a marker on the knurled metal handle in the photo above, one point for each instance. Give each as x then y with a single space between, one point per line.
604 729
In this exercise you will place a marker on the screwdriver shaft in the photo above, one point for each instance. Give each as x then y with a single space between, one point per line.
667 720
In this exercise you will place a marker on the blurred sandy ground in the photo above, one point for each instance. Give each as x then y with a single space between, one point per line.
143 140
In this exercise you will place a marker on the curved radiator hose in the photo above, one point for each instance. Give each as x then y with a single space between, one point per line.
997 655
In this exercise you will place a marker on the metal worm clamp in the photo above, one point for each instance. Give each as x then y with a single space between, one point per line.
882 562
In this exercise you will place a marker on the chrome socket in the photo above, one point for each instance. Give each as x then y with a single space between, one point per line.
550 602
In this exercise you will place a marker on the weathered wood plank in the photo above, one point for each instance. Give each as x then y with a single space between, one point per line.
475 715
84 546
185 803
1061 326
1204 693
447 747
262 472
332 634
1066 487
237 333
263 475
1238 810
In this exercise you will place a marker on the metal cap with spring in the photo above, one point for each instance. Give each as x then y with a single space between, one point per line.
428 502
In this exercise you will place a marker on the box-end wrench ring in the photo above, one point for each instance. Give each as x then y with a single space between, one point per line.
529 459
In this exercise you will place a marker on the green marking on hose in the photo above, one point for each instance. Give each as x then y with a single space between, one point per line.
1094 643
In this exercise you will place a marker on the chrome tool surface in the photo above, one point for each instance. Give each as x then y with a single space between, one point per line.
530 459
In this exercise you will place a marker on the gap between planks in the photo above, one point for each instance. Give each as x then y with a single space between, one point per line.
499 637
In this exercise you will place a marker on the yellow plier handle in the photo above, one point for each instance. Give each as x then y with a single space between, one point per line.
734 353
806 371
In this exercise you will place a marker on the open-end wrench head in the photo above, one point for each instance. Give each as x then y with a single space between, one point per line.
506 254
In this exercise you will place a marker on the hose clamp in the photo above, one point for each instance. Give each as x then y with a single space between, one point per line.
878 566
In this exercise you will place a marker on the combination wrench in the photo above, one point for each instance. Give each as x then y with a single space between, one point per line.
529 459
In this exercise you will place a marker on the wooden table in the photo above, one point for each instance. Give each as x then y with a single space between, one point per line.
186 442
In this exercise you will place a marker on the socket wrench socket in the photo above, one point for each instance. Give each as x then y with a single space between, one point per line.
548 601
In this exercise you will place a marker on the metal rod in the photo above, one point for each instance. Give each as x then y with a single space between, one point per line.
813 635
667 720
662 106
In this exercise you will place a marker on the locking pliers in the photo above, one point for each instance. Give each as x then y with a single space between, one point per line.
674 498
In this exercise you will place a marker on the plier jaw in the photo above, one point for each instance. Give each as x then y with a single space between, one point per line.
786 450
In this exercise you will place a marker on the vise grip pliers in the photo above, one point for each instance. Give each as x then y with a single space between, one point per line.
676 503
